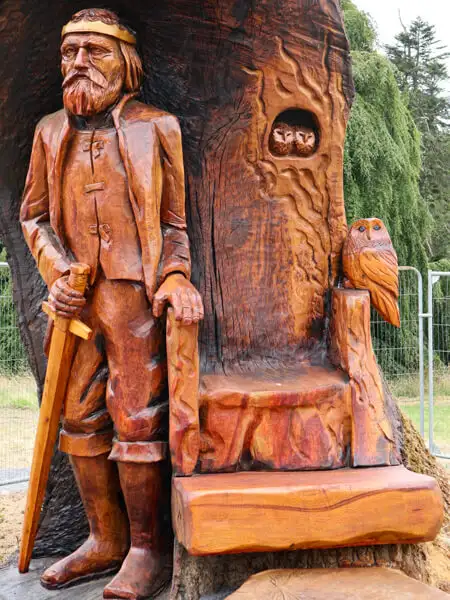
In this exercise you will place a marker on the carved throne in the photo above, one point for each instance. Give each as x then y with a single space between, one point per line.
269 438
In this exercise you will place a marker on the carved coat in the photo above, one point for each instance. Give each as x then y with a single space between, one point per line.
150 147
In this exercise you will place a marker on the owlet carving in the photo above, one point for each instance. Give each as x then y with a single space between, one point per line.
281 140
304 140
370 263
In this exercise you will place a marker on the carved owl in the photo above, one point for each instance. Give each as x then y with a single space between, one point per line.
281 141
370 263
304 140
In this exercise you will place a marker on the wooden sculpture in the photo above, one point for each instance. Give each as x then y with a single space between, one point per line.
276 400
370 263
106 187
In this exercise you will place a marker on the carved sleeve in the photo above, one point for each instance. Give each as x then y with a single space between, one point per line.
175 253
51 259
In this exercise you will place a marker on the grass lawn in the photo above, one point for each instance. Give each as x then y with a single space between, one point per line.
18 392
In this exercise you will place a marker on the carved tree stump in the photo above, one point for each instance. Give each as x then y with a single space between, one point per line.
227 69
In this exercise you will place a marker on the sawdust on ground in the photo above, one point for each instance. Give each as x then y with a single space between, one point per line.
12 507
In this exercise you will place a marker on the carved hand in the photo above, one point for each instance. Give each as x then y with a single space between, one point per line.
182 295
64 300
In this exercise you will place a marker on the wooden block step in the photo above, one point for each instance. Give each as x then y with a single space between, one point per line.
336 584
259 512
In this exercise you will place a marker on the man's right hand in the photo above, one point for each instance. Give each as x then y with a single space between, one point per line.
64 300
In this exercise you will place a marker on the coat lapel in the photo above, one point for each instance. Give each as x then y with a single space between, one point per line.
55 183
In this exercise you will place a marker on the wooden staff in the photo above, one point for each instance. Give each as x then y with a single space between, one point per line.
58 370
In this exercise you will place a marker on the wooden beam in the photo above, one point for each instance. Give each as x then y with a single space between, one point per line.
257 512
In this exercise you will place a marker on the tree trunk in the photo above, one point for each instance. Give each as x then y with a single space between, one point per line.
203 62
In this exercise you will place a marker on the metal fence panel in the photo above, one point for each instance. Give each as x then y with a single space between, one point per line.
18 398
439 362
400 352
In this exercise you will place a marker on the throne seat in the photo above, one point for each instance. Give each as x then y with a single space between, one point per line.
293 419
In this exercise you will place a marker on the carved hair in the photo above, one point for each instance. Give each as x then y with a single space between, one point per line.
133 64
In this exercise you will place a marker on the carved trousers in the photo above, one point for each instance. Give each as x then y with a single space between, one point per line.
116 398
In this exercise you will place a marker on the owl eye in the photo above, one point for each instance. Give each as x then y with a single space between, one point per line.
377 228
362 228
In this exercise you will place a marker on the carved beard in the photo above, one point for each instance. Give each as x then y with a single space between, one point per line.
89 94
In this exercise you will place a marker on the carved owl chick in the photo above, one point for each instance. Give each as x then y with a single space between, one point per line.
281 141
304 140
370 263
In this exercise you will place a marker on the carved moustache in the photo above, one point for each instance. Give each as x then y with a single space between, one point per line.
92 74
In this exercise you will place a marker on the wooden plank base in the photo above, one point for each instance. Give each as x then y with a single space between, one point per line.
336 584
259 512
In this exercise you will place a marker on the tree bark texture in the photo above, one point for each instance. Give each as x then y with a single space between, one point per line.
227 69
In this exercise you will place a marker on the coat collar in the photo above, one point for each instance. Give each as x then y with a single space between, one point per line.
64 137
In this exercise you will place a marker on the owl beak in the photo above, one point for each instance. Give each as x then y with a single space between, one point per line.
369 234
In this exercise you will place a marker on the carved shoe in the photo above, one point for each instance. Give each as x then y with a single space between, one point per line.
147 567
104 550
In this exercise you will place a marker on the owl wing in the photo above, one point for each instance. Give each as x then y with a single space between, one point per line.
381 269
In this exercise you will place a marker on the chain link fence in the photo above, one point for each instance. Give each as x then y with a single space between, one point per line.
18 398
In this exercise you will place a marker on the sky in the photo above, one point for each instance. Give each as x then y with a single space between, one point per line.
385 14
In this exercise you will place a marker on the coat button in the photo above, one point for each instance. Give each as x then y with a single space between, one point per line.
93 229
105 232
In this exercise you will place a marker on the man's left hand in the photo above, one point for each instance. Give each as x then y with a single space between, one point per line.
182 295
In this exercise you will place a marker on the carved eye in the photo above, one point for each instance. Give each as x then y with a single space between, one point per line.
377 227
362 228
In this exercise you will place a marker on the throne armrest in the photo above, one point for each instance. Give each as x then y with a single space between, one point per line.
373 440
183 376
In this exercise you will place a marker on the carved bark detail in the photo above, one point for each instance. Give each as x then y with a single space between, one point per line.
183 374
351 349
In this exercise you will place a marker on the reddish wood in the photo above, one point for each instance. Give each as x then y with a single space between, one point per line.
370 262
339 584
183 374
373 441
255 512
108 542
294 419
60 359
114 199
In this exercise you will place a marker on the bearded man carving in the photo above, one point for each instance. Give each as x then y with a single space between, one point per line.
106 187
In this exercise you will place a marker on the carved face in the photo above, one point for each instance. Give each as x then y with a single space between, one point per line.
367 232
281 140
305 140
93 69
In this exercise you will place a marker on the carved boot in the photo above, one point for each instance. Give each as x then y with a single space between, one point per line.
146 569
104 550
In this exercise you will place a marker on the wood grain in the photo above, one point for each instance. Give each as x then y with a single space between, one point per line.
336 584
256 512
59 363
293 419
183 374
373 441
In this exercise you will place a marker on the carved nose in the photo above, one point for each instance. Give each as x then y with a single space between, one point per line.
369 234
82 58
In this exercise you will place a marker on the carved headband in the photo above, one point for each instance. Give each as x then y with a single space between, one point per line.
99 27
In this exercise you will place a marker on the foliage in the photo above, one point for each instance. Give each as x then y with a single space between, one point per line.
359 27
421 71
381 176
382 159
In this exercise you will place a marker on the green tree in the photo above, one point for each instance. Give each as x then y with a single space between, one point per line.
382 152
382 172
421 72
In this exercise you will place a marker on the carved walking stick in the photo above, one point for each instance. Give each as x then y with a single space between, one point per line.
58 369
